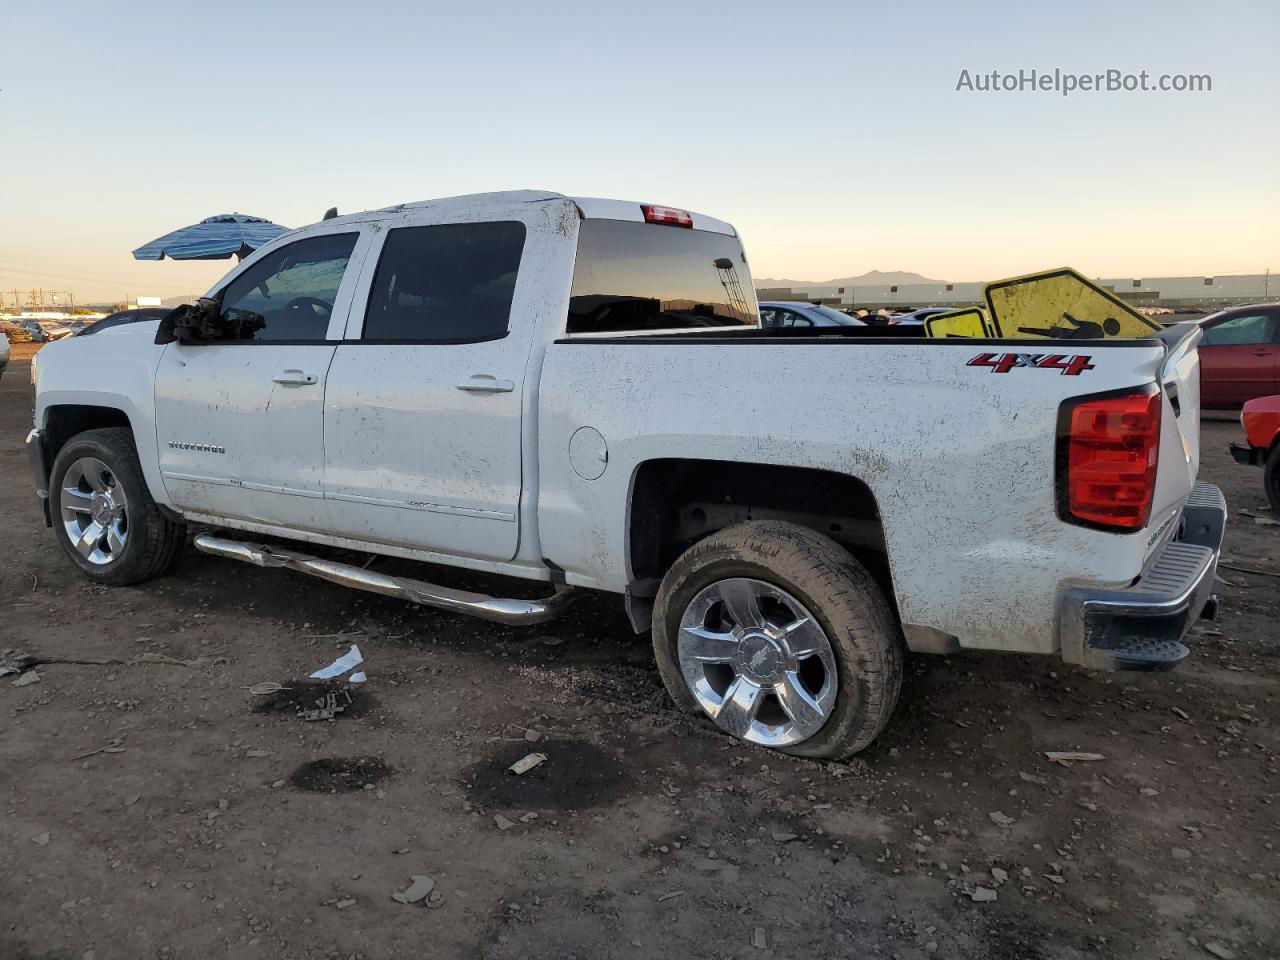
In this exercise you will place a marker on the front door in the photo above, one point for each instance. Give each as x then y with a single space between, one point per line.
422 423
239 418
1238 358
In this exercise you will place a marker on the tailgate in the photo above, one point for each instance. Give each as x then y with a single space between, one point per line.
1179 429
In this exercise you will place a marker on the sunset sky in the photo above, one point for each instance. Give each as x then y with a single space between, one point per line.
831 134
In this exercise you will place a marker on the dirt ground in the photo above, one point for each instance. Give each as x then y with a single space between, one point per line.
154 809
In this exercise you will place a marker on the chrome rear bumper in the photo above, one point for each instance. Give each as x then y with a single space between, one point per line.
1141 627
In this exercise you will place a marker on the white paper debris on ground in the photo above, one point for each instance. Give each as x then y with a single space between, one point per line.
357 677
527 763
344 664
1058 756
419 889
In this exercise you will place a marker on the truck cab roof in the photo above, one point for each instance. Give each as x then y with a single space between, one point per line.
479 204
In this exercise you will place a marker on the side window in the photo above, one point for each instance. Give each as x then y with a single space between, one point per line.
1254 328
789 318
289 293
769 317
451 283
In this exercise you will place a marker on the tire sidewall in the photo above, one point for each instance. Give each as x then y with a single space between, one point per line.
717 566
123 464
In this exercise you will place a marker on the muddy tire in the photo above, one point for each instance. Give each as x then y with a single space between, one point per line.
811 666
1271 478
103 515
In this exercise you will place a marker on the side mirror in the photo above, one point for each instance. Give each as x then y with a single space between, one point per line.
189 323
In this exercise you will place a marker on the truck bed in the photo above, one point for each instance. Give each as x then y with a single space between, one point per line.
958 454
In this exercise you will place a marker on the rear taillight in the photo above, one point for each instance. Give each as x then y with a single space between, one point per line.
1108 449
668 215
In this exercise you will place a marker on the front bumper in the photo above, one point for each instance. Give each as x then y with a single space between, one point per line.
1140 627
1249 456
39 471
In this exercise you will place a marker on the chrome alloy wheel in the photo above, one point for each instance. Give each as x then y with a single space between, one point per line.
757 661
94 510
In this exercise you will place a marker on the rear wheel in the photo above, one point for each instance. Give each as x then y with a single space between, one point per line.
780 637
1271 478
103 513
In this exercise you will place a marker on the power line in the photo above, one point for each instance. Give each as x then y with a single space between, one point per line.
83 278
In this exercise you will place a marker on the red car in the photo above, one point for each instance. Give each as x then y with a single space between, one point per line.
1261 420
1240 355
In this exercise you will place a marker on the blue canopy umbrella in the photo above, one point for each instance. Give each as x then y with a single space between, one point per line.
213 238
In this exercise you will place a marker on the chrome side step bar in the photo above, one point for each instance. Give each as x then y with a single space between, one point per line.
498 609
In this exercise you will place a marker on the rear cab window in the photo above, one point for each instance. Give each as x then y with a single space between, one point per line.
632 277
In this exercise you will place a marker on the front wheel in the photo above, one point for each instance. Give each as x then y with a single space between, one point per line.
781 637
103 513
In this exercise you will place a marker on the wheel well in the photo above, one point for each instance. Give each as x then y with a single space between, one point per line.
675 503
64 421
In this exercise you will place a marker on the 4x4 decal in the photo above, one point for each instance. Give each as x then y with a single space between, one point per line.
1070 366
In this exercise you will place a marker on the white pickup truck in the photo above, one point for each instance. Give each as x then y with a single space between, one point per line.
578 391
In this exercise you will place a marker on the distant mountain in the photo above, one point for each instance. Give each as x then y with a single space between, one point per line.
872 276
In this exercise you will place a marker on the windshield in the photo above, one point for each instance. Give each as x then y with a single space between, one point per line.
633 276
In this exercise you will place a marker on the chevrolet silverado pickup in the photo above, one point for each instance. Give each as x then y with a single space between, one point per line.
579 391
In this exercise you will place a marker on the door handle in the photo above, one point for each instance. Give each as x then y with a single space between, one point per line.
294 378
485 383
1262 353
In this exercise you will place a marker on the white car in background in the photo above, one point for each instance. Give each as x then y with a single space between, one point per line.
917 317
43 330
4 353
798 313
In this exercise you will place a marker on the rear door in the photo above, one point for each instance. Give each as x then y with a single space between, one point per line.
238 419
1239 356
422 423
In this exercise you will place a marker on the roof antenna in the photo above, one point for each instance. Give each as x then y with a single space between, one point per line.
330 213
